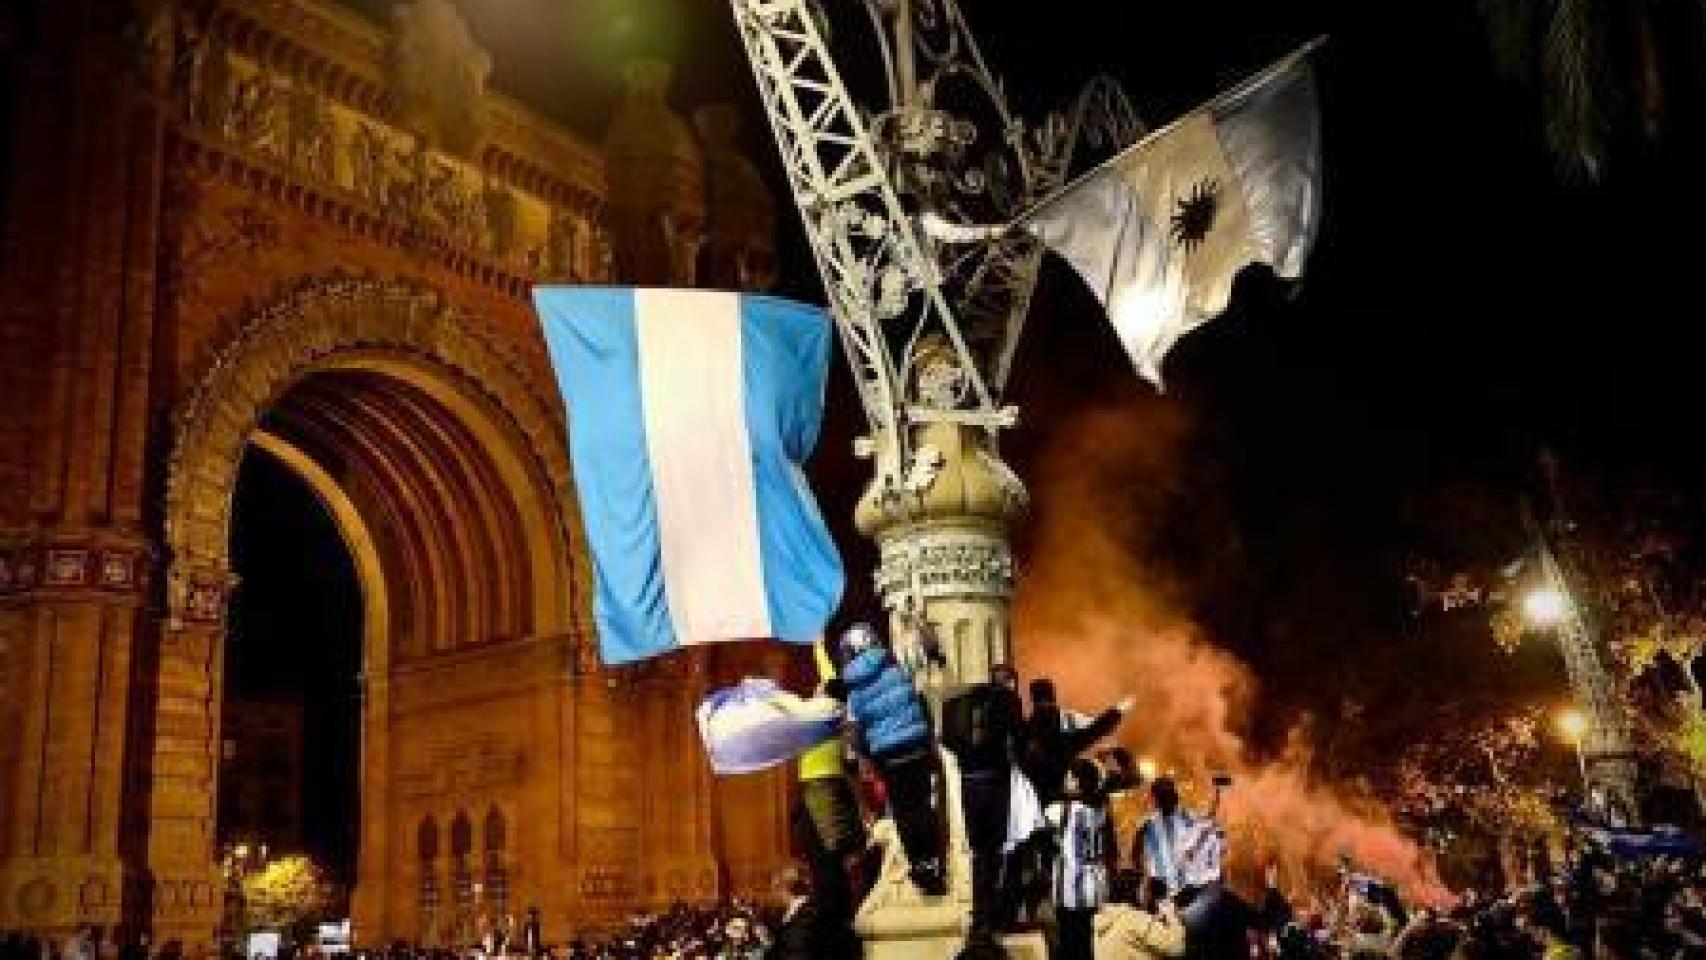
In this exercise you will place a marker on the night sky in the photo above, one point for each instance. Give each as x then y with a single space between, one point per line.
1468 303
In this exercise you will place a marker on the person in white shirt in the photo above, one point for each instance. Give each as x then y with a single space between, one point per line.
1083 854
1182 854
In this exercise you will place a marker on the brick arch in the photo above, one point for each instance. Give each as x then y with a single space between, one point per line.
326 323
389 371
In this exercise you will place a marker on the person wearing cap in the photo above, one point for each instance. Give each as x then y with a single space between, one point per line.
892 728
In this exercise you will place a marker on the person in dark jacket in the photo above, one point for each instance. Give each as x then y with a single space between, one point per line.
531 939
1053 740
982 726
804 932
893 730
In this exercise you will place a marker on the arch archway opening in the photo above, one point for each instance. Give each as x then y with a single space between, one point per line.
290 716
374 522
444 468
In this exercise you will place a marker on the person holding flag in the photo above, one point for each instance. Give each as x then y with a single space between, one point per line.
827 817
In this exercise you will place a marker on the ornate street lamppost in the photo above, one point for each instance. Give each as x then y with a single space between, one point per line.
928 327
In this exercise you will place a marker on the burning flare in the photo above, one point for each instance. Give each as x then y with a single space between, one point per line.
1094 614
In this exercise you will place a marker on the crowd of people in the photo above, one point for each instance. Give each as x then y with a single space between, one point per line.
1083 847
1078 845
1593 907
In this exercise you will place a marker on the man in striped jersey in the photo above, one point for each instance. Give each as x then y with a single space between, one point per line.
1083 855
1182 853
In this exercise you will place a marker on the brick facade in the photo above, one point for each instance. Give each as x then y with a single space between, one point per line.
273 225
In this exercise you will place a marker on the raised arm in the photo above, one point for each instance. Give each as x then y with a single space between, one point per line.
1082 739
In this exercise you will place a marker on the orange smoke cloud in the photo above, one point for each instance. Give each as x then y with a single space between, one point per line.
1103 621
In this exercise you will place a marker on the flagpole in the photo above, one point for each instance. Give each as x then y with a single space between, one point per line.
1252 82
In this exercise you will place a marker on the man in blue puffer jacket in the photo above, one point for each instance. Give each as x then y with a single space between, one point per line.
894 732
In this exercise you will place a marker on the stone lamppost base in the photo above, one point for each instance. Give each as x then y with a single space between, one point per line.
896 922
1124 932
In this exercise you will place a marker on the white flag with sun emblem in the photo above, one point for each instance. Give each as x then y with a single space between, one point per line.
1160 231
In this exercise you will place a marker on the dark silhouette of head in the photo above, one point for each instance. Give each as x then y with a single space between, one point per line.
1083 780
793 880
1165 793
1042 693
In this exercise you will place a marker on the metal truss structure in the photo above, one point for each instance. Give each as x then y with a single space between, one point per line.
929 327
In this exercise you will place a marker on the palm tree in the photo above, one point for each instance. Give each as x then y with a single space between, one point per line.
1597 66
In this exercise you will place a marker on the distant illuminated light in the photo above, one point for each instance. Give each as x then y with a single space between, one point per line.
1545 606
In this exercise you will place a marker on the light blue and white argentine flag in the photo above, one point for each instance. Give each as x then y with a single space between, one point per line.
690 412
755 725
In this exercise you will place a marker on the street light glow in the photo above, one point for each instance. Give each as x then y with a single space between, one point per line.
1545 606
1572 724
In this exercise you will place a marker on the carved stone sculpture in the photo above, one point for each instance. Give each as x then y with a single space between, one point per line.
438 77
311 148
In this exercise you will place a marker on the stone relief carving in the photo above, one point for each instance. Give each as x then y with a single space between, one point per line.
149 36
560 258
499 203
211 86
312 147
452 206
189 60
256 118
416 176
463 768
368 151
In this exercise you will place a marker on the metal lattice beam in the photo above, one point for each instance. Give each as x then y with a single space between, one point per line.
882 285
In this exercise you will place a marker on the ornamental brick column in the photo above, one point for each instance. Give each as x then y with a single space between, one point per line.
69 612
186 891
77 258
